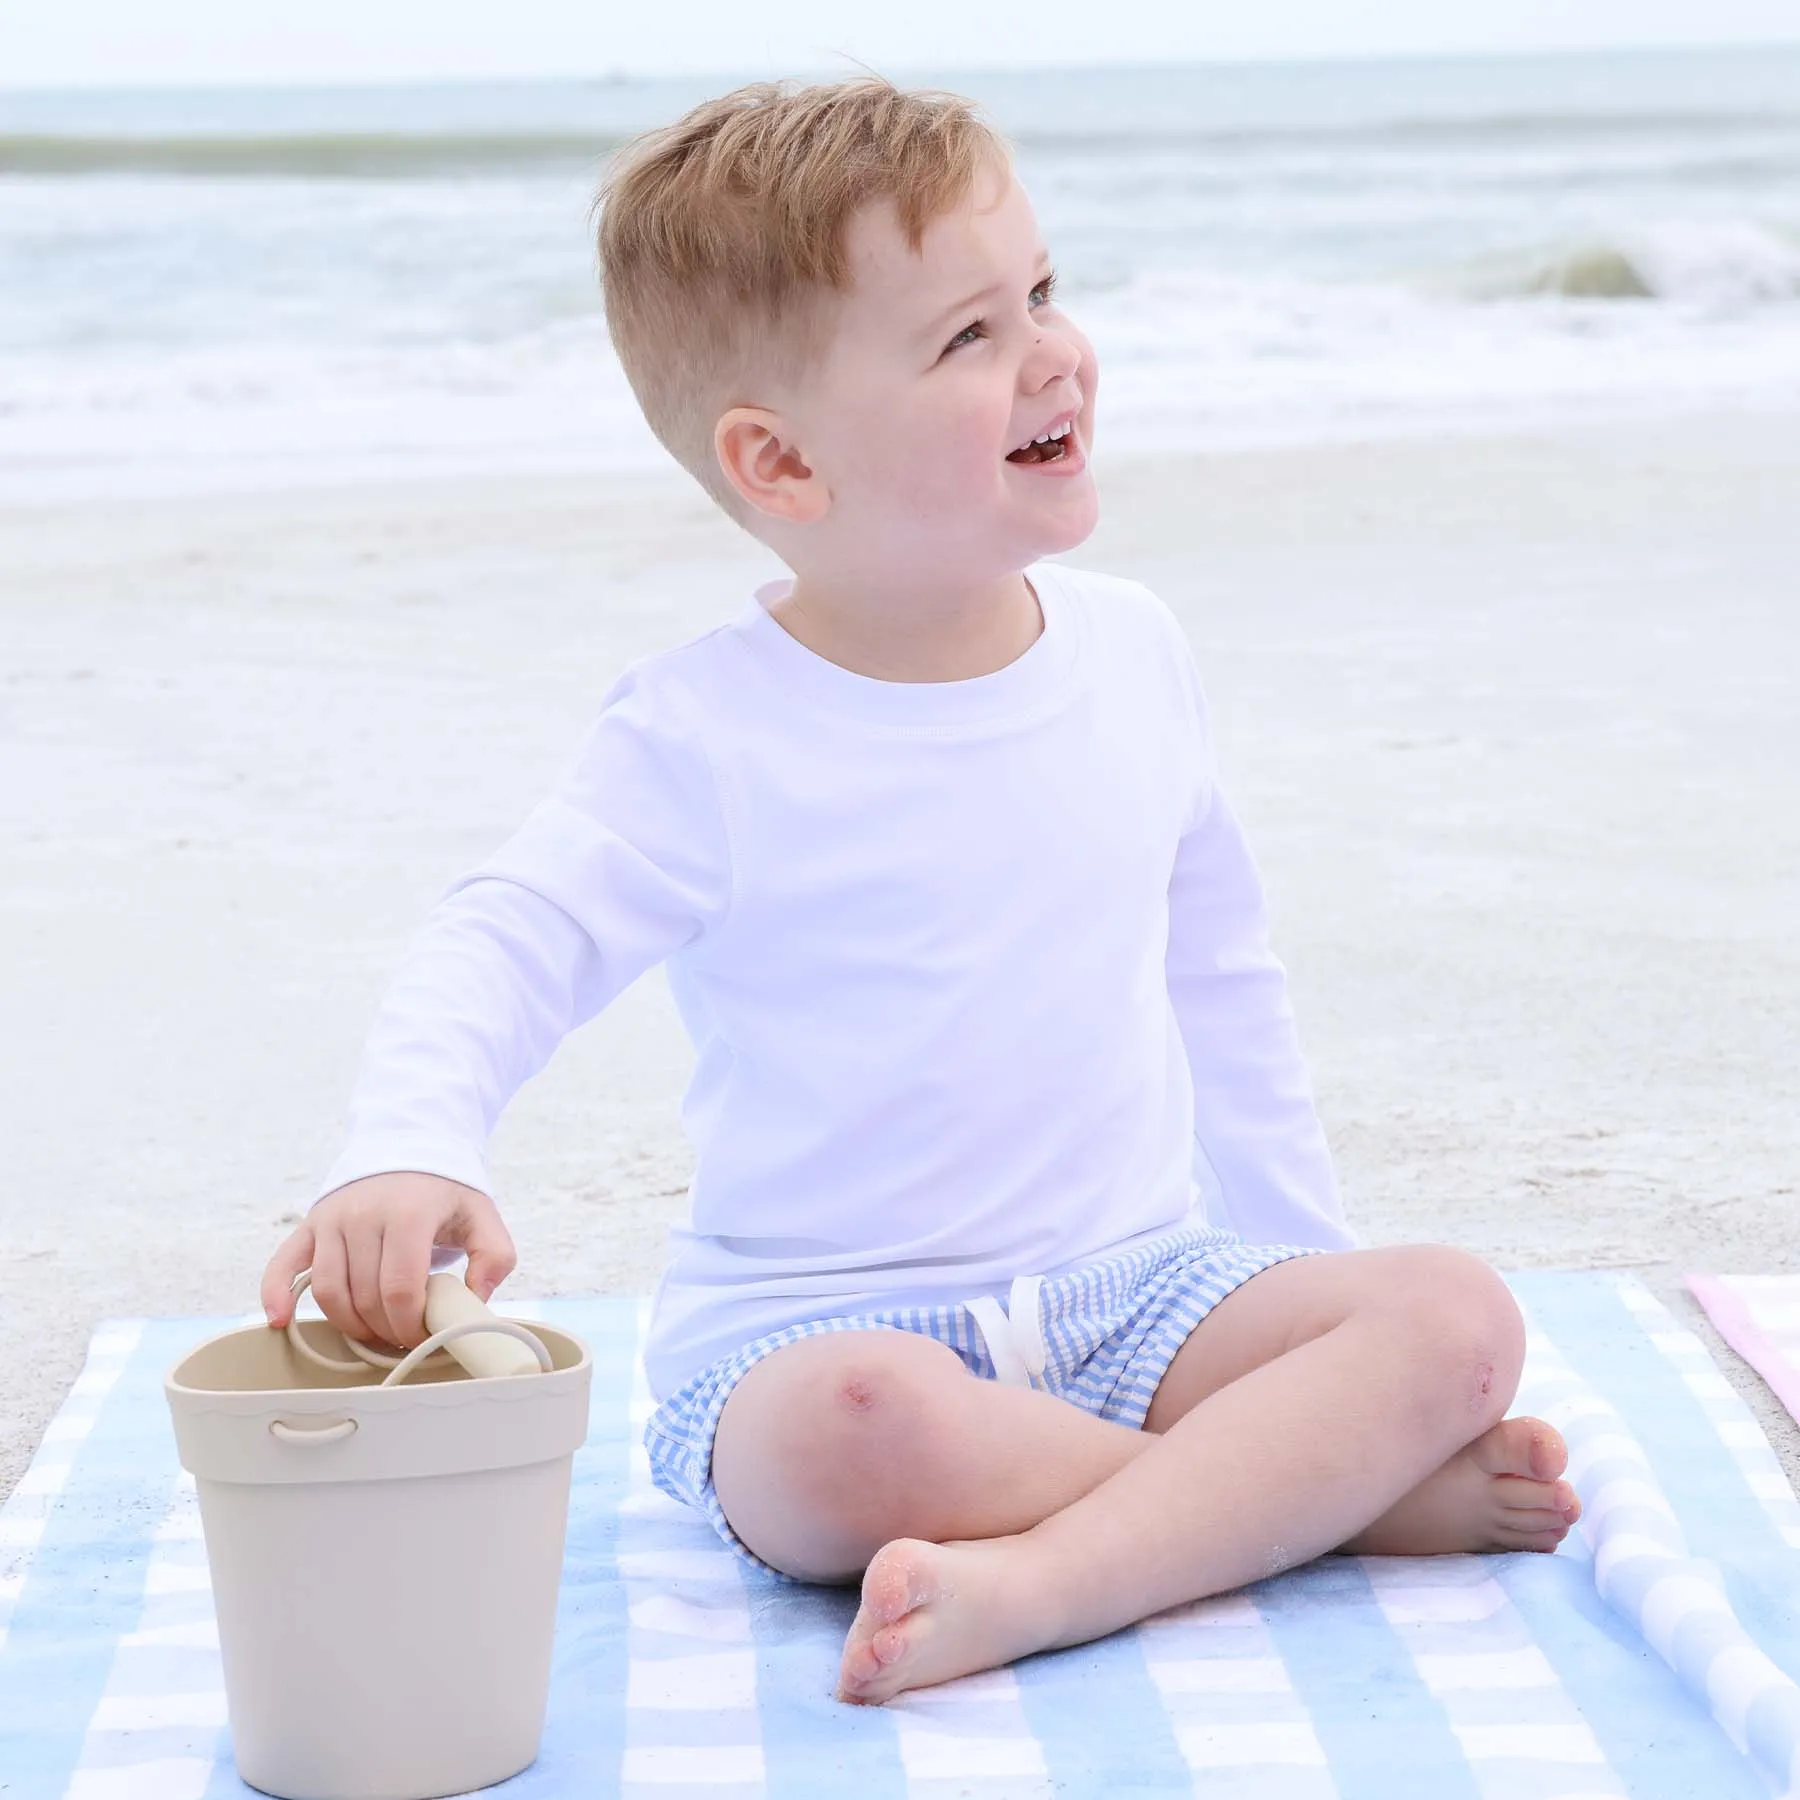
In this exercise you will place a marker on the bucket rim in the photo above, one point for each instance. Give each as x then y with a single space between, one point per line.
437 1393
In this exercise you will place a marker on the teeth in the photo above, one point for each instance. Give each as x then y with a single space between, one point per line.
1055 431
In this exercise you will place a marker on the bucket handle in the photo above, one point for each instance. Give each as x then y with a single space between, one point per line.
330 1435
369 1358
398 1367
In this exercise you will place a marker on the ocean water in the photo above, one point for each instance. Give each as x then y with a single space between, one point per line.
214 289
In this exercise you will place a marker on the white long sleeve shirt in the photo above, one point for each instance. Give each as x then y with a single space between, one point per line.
977 972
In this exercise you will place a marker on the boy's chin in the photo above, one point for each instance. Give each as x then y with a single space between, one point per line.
1074 524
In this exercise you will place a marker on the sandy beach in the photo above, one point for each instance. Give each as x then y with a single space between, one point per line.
1512 723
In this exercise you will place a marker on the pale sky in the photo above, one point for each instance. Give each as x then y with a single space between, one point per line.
82 43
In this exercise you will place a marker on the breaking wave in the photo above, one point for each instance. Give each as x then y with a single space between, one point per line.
376 154
1712 264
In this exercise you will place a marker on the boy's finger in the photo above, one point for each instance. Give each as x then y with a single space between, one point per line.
294 1254
491 1254
363 1249
405 1263
331 1286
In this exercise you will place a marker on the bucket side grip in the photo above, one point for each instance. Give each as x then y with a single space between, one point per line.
332 1434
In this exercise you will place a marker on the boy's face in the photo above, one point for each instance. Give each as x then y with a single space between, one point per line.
942 364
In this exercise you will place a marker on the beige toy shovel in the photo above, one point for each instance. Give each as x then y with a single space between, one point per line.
459 1324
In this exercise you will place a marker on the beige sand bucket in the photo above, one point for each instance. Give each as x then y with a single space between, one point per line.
385 1554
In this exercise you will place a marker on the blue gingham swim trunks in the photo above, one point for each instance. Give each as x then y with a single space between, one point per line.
1100 1337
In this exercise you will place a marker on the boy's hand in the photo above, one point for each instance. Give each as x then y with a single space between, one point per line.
369 1246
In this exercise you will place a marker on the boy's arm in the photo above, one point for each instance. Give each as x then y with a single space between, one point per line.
495 979
1260 1151
623 864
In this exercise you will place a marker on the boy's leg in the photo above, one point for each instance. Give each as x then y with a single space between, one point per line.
837 1444
834 1445
1418 1357
1501 1492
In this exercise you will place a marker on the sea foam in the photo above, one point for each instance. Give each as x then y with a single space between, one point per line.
233 287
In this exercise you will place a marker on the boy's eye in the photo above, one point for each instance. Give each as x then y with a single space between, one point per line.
1046 287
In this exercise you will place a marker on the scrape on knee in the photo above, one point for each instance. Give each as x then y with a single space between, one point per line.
1485 1389
856 1393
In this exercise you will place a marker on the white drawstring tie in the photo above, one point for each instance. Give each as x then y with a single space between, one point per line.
1014 1338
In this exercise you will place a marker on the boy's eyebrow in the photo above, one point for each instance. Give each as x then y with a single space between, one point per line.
950 312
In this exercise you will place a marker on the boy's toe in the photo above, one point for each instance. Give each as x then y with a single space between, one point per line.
1527 1448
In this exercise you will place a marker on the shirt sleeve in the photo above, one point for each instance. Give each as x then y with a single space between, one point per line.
624 863
1260 1156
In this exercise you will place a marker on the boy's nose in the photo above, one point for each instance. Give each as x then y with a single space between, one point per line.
1055 358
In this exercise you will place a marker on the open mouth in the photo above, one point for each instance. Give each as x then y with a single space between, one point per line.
1053 446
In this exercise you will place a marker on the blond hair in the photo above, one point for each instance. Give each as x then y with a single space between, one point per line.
722 236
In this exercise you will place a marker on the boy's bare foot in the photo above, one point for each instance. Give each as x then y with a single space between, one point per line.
931 1612
1500 1493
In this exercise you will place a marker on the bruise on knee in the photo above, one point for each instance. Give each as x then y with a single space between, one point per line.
898 1394
856 1393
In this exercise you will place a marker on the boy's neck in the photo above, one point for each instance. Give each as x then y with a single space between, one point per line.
912 635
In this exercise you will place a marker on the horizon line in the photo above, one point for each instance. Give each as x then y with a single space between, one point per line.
625 77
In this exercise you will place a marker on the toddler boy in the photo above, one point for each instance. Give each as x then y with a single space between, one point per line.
1016 1282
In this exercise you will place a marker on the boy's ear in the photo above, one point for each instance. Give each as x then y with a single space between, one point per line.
762 464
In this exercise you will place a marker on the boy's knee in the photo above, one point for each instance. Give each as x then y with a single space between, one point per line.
830 1448
1471 1332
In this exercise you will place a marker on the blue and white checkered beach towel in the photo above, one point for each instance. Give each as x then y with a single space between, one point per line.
1654 1655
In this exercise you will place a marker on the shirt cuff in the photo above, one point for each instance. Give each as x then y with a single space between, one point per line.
401 1155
